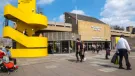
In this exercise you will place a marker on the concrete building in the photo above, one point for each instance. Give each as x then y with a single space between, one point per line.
62 36
131 29
91 30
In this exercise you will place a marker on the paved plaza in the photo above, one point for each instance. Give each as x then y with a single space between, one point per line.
65 65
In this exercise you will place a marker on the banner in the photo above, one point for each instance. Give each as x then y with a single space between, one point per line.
117 39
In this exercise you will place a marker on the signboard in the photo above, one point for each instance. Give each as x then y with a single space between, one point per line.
96 28
97 38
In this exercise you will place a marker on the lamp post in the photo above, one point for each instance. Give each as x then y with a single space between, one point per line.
1 15
72 43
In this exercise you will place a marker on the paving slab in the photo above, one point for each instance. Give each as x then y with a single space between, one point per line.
65 65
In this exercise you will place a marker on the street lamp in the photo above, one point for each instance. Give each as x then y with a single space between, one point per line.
72 42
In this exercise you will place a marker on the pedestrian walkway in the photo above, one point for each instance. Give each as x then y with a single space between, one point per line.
65 65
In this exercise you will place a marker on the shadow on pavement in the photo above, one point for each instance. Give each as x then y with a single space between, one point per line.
71 60
102 58
109 58
107 66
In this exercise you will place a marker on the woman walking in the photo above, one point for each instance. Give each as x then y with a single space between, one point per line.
83 51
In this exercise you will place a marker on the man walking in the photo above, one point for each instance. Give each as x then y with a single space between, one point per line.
78 49
107 48
93 48
123 49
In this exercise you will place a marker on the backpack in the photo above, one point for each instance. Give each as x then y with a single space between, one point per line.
3 68
9 65
6 59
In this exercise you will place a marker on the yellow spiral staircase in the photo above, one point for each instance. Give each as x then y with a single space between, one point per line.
26 17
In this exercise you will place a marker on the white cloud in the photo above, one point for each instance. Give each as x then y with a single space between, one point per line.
54 19
81 12
61 17
45 1
119 12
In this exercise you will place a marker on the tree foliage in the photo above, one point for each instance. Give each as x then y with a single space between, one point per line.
117 27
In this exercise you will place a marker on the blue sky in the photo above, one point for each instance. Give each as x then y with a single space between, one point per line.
113 12
89 7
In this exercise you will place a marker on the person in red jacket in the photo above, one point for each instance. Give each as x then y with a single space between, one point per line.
9 55
1 54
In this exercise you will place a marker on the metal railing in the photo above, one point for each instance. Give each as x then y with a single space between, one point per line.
61 36
59 24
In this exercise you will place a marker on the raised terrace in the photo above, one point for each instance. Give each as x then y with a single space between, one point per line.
58 26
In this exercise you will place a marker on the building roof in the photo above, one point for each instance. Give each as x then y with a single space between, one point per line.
85 18
133 31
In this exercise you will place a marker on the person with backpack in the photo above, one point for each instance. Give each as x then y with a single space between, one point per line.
123 49
9 55
5 64
83 48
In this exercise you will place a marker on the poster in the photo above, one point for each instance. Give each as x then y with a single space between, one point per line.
117 39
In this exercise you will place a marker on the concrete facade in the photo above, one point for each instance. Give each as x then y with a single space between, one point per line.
89 28
91 31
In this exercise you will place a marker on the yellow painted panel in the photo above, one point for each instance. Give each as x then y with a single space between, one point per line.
117 39
23 39
29 52
26 17
13 12
32 19
28 6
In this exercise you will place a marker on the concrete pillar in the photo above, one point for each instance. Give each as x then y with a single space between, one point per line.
87 46
60 46
75 46
69 47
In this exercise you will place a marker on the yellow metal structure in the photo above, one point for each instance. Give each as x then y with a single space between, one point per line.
117 39
26 17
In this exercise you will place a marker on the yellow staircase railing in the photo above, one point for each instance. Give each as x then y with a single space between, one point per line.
26 17
23 39
14 13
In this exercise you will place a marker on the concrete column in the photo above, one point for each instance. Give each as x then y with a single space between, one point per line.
87 46
60 46
69 46
75 46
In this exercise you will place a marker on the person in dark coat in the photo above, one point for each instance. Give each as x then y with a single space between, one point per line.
107 48
25 32
78 50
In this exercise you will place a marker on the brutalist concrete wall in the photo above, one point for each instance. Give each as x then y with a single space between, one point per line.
71 20
5 42
61 36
